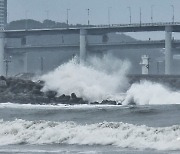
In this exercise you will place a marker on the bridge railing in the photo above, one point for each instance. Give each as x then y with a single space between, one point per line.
137 25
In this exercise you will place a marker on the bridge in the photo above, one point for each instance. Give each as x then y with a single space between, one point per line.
94 46
168 28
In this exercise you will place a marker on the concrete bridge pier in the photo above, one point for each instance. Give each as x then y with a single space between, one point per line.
168 50
83 45
2 45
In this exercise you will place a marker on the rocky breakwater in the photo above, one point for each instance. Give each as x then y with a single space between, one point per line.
21 91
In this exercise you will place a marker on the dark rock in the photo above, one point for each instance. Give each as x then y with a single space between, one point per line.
73 96
63 99
108 102
94 103
2 78
51 94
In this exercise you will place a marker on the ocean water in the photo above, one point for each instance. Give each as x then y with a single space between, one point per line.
146 129
150 126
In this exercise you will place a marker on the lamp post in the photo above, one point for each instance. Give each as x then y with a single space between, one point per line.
7 61
152 7
42 65
88 13
173 13
67 11
109 15
26 14
130 16
140 15
47 17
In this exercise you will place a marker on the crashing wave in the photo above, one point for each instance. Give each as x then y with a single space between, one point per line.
106 133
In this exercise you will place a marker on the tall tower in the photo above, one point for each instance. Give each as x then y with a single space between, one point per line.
3 14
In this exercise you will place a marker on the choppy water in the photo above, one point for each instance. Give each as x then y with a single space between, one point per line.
89 129
147 128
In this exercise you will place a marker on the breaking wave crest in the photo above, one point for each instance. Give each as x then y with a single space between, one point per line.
150 93
106 133
99 79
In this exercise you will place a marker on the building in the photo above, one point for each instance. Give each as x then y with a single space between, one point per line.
3 13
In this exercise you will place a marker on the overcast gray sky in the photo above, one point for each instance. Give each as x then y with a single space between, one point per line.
119 13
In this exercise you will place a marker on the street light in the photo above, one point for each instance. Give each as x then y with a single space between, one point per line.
67 11
173 13
152 6
129 14
109 15
7 61
88 13
26 14
140 15
42 65
47 18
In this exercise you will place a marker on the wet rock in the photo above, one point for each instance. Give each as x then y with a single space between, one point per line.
51 94
94 103
108 102
63 99
73 96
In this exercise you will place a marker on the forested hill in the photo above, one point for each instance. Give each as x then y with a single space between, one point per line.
33 24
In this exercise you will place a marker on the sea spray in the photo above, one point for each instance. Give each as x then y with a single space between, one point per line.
151 93
99 79
105 133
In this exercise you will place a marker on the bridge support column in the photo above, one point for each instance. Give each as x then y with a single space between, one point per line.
2 44
83 45
168 50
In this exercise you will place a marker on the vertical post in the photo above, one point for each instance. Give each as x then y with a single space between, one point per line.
168 49
152 6
83 45
2 39
42 65
109 15
88 13
140 15
67 13
130 16
26 22
173 13
25 63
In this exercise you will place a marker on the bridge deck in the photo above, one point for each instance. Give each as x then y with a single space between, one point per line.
96 30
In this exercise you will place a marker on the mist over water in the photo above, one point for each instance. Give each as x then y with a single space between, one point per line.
99 79
105 79
150 93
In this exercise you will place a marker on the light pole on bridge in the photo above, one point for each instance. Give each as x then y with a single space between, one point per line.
173 13
140 15
130 15
88 13
47 17
109 15
67 11
152 13
26 15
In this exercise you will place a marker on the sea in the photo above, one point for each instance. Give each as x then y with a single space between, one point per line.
147 122
89 129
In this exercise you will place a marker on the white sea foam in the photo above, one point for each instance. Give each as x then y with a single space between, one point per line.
53 107
147 92
97 80
116 134
105 78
